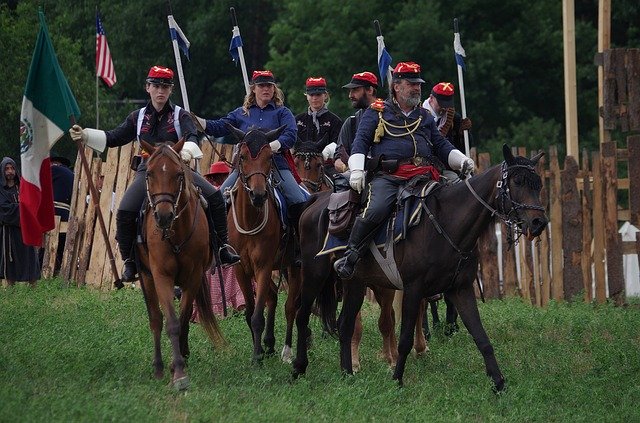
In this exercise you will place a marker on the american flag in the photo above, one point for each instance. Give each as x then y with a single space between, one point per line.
104 64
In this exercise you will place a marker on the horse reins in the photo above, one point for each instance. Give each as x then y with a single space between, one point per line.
174 200
244 179
504 195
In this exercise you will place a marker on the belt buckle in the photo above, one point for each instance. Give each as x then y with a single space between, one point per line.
417 161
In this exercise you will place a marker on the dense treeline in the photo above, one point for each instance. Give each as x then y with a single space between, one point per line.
514 78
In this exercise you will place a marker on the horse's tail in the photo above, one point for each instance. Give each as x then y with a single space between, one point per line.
208 319
327 304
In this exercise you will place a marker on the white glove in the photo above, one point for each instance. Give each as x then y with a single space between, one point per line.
467 167
94 138
275 146
202 122
356 180
190 150
329 151
77 133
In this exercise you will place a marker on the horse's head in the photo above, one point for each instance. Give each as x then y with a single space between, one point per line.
519 193
166 180
309 164
254 159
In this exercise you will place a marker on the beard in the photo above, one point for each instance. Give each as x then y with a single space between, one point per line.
361 103
412 100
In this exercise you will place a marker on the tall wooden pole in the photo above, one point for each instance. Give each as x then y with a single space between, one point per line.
570 96
604 43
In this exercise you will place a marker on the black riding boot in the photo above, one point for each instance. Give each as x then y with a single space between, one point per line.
218 226
294 212
361 234
125 235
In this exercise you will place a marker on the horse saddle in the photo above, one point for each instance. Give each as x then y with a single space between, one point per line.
344 207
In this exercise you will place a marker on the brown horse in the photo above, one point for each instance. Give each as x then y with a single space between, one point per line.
176 253
310 166
439 255
257 235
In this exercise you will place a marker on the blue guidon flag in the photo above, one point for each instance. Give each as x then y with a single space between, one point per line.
384 60
47 106
459 51
178 35
236 42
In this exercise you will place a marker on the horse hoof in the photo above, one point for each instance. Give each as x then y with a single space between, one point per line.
286 355
499 387
158 374
181 384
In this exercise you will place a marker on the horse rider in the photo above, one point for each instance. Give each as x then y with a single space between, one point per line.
362 92
264 108
401 138
449 122
159 121
317 125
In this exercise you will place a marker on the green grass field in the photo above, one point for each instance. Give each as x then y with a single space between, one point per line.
74 354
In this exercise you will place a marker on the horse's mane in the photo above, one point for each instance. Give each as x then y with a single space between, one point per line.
167 150
255 140
307 148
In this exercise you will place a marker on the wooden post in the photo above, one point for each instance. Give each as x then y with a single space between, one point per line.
587 232
633 147
50 247
542 247
556 225
488 248
613 242
570 97
604 42
571 230
598 228
85 253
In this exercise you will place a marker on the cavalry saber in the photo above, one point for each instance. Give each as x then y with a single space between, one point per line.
236 33
459 51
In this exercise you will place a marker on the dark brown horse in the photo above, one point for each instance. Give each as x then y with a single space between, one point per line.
176 253
310 166
440 255
257 235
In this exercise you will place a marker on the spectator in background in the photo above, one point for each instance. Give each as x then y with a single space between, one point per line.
18 262
218 172
62 179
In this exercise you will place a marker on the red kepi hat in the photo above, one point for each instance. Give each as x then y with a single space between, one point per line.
409 71
218 168
443 92
160 75
362 79
263 77
316 85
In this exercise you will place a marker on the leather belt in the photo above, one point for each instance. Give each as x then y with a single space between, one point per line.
416 161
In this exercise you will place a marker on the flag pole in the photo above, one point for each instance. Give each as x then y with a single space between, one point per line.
176 53
95 197
463 105
381 45
243 66
97 109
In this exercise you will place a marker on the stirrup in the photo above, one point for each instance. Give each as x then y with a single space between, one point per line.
231 257
129 271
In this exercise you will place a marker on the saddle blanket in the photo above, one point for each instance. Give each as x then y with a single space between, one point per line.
334 244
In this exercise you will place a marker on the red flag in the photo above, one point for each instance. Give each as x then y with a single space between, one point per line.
104 64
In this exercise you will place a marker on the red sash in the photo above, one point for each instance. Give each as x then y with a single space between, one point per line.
409 170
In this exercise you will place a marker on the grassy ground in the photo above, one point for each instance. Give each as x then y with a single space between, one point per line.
73 354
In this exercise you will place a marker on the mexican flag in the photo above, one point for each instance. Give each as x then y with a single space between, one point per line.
47 106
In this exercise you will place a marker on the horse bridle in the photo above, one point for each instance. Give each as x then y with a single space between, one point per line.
244 180
316 186
173 199
511 218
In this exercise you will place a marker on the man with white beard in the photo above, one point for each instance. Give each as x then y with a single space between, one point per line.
396 140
